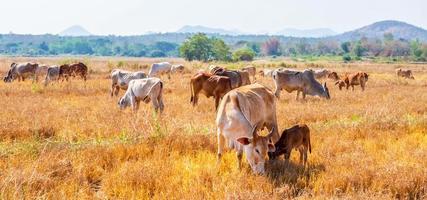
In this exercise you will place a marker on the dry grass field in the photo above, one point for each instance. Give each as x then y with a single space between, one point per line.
70 140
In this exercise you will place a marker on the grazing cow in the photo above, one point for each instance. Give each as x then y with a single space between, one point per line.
251 70
359 78
147 89
41 71
405 73
52 74
76 69
210 85
241 113
301 82
266 72
235 78
340 84
21 71
244 75
320 73
333 76
178 69
158 69
297 137
120 79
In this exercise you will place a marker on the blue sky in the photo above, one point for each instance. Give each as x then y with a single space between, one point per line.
130 17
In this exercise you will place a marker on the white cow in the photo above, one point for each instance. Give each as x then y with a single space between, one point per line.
52 74
158 69
178 69
241 113
147 89
120 79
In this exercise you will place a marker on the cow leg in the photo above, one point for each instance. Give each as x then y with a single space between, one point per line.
362 85
352 87
301 155
216 102
156 104
287 156
305 156
113 86
221 143
297 95
169 75
23 79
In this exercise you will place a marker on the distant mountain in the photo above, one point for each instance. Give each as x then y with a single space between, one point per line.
204 29
400 30
75 31
315 33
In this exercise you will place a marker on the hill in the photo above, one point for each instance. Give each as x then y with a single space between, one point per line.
75 31
400 30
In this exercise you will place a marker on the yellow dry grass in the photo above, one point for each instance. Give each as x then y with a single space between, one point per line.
70 140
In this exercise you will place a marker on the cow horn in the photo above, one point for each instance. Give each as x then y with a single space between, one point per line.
271 132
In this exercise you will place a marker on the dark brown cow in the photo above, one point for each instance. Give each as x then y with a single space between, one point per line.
405 73
359 78
210 85
235 77
297 137
340 84
76 69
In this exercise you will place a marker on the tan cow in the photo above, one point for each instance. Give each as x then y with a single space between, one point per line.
359 78
405 73
297 137
251 70
241 113
210 85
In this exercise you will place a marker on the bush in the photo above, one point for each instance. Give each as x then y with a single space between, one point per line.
244 54
346 58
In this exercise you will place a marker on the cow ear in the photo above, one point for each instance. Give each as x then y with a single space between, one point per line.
271 147
244 140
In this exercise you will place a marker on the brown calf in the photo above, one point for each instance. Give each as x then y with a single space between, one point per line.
359 78
210 85
297 137
340 84
405 73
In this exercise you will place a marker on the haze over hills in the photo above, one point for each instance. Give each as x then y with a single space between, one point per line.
316 33
400 30
75 31
204 29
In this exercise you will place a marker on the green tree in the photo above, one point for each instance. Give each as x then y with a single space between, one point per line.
200 47
416 50
345 46
244 54
358 49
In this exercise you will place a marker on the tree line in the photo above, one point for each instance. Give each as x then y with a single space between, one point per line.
211 47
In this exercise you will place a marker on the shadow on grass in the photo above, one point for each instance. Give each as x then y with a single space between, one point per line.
292 173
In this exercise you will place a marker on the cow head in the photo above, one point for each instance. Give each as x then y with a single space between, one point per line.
334 76
123 102
256 149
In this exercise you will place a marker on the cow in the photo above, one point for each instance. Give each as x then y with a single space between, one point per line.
120 79
147 89
210 85
242 112
296 137
301 82
359 78
244 76
21 71
405 73
266 72
158 69
73 70
333 76
251 70
178 69
340 84
235 78
320 73
41 71
52 74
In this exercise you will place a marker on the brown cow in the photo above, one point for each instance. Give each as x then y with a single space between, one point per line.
76 69
405 73
359 78
340 84
333 76
297 137
210 85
